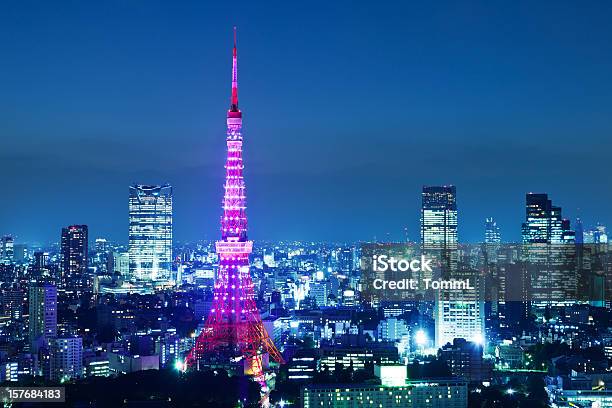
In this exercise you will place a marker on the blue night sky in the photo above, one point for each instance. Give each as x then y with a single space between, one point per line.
349 108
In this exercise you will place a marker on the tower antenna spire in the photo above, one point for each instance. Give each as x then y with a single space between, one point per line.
234 327
234 106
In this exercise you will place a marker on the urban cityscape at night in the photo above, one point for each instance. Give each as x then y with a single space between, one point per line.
425 223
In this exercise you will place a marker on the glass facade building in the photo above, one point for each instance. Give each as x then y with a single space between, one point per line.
6 249
544 222
460 316
550 252
150 232
439 218
74 256
492 234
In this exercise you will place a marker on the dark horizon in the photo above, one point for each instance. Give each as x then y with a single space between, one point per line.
348 111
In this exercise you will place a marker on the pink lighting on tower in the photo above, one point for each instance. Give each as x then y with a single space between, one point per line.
234 326
235 76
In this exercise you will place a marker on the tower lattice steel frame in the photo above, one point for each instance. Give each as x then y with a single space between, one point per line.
234 326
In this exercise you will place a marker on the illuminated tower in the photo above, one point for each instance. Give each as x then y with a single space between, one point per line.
234 328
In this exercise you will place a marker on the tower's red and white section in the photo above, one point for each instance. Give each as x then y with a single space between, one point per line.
234 326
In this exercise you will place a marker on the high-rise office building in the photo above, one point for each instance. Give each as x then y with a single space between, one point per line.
41 259
20 254
439 217
492 240
43 314
13 301
6 249
319 291
494 281
121 263
460 315
549 252
74 260
579 228
345 260
102 257
492 234
101 245
150 232
544 222
439 225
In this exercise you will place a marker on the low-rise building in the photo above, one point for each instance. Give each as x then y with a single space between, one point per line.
122 363
447 393
465 360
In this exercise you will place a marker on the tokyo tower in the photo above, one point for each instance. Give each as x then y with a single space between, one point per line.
234 329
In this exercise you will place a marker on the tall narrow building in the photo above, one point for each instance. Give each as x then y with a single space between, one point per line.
43 315
494 281
75 278
13 300
150 232
492 240
439 226
6 249
439 217
549 252
492 234
456 316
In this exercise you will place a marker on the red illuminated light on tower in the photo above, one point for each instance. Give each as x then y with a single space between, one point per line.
234 327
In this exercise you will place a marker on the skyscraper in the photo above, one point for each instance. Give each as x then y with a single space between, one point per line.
549 252
234 327
43 314
579 228
101 245
492 240
439 225
492 234
13 300
456 316
20 253
74 257
439 217
6 249
150 232
544 223
494 281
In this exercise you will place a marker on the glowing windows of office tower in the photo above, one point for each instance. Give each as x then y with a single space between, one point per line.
150 232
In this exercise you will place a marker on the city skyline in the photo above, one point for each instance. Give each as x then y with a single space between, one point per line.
398 236
495 136
395 224
487 223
